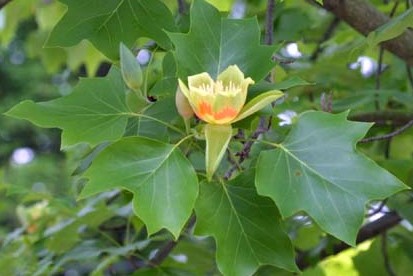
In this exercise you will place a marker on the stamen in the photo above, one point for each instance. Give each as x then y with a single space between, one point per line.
206 88
232 87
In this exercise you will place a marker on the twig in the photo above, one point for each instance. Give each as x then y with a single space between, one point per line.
389 135
181 7
387 146
326 102
378 75
378 209
326 36
395 118
269 22
367 232
281 60
164 252
269 31
409 75
245 151
380 61
385 254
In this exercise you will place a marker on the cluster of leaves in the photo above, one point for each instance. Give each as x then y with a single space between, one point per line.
139 173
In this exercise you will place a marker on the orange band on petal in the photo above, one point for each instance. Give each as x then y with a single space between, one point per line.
204 109
227 112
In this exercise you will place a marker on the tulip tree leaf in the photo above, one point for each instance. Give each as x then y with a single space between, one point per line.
318 170
94 112
162 180
246 227
214 43
107 23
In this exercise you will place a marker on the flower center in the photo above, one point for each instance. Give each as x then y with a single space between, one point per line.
207 88
232 89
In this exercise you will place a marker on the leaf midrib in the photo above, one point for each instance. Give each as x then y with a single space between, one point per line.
302 163
234 210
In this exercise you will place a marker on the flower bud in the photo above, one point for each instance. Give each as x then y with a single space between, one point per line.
182 105
131 70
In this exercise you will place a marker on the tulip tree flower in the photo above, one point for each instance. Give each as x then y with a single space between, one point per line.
220 103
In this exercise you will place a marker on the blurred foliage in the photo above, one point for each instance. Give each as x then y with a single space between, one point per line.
46 230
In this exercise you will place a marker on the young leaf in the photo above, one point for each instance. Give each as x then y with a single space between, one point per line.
318 170
107 23
162 180
217 140
395 27
246 227
214 43
94 112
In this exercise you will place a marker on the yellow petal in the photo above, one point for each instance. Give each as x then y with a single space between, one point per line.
231 74
201 83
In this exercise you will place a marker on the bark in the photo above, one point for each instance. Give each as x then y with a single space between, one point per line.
365 18
367 232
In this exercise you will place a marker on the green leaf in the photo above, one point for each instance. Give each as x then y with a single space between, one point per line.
283 85
162 180
64 235
155 125
131 70
107 23
258 103
246 227
214 43
318 170
217 140
395 27
372 262
93 113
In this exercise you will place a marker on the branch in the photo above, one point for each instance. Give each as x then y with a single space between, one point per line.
244 153
396 118
4 3
269 22
389 135
367 232
409 75
378 75
164 252
380 61
181 7
326 36
365 18
385 254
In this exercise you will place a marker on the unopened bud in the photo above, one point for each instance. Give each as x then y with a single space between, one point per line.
130 68
182 105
